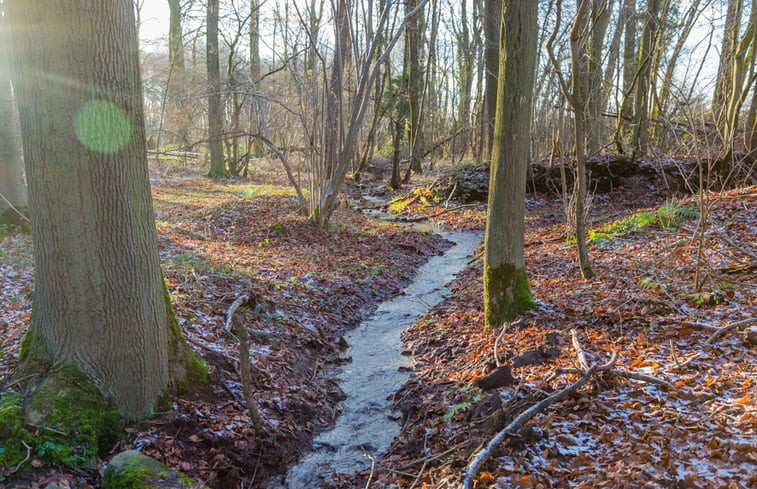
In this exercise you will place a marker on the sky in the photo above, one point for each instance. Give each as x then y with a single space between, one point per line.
154 20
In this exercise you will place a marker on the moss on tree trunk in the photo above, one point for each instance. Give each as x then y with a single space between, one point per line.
64 421
509 293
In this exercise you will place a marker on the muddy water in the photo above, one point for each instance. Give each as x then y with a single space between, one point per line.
365 426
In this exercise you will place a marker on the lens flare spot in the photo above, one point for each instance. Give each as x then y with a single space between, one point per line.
102 126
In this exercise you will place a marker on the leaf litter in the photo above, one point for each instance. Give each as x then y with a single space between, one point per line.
221 240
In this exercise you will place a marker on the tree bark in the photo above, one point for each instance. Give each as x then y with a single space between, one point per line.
415 135
256 145
491 57
580 82
215 109
725 67
643 78
506 289
600 18
630 22
99 302
177 118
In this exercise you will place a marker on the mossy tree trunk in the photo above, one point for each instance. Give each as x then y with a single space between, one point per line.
99 303
506 289
12 186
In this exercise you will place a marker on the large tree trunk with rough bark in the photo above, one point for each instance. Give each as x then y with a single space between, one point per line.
506 289
99 301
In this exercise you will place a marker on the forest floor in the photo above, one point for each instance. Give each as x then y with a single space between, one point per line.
221 240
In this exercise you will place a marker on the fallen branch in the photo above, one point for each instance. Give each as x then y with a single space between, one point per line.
746 267
524 417
245 376
579 351
659 302
496 343
483 455
731 327
623 373
683 364
233 308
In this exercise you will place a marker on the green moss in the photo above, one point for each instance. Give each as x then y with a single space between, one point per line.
129 478
667 216
33 354
12 431
15 222
69 399
278 228
506 293
66 422
134 470
189 371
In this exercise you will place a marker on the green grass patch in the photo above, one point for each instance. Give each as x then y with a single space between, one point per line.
667 216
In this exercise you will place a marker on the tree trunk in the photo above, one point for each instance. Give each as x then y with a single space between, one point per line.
215 108
412 39
491 56
175 36
731 31
506 289
465 62
178 123
643 79
580 82
630 21
12 187
256 144
600 18
99 302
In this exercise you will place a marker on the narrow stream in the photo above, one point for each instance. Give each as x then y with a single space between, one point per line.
364 425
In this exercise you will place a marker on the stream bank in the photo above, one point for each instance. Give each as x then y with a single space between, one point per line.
366 427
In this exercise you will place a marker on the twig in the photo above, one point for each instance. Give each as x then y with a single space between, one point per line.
525 416
483 455
623 373
746 267
731 327
681 365
659 302
28 454
496 343
245 377
446 202
14 209
736 245
232 309
703 327
373 467
579 350
431 458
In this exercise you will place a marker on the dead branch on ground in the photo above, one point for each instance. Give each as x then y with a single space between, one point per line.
587 373
245 377
738 325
